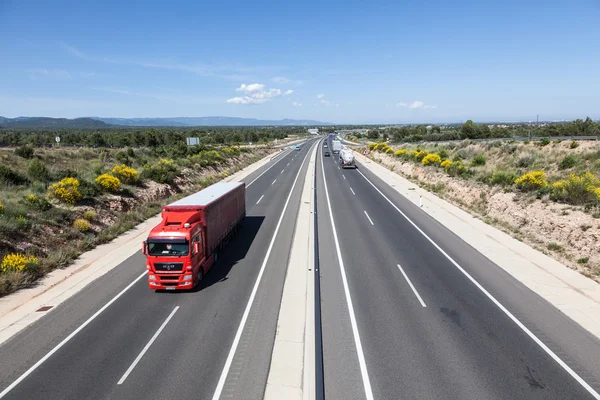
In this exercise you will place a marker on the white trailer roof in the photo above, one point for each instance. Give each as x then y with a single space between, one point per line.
207 195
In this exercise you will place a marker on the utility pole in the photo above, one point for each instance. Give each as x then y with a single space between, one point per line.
537 122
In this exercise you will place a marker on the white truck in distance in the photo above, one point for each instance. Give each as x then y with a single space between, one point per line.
336 146
347 158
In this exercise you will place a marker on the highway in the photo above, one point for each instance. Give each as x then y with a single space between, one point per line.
188 356
408 311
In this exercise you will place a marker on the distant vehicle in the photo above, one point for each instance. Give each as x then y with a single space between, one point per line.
326 154
325 144
184 245
347 158
297 148
336 145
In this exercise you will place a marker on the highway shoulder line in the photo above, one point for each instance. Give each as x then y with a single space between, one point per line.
291 373
526 330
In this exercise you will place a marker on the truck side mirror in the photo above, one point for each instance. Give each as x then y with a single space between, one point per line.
144 247
196 248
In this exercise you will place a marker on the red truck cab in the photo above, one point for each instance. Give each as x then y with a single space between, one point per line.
184 246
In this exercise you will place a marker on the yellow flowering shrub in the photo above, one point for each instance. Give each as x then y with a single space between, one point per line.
81 225
445 163
38 203
67 191
532 181
2 208
124 173
455 168
90 215
108 182
18 262
418 154
578 189
372 146
400 153
431 159
389 150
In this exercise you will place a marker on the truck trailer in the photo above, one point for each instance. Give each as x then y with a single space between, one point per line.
185 245
347 158
336 146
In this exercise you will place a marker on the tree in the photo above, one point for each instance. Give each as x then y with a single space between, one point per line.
469 129
373 134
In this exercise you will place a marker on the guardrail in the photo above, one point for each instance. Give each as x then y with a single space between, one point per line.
508 139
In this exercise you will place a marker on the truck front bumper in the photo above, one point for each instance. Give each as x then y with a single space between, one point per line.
170 282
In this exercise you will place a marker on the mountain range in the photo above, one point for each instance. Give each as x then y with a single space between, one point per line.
100 122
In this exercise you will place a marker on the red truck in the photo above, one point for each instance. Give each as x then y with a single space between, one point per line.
185 245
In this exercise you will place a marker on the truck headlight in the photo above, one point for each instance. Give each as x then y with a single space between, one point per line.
151 277
187 277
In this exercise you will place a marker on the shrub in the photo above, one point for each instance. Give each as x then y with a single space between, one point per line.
554 246
11 177
90 215
25 151
81 225
574 145
400 153
532 181
2 208
456 168
567 162
583 260
372 146
123 158
18 262
37 203
479 159
445 163
578 189
88 189
65 173
67 191
125 174
431 159
38 171
443 154
503 178
525 161
418 154
389 150
108 182
162 172
544 142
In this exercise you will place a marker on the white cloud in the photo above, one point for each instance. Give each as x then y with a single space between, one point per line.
416 105
288 92
326 102
255 93
296 104
320 96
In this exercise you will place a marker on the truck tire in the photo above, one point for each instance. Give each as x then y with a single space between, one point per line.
200 275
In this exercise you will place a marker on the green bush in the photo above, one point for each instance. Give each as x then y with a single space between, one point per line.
503 178
443 154
11 177
88 189
568 162
90 215
456 168
479 159
65 173
544 142
164 171
574 145
37 203
38 171
525 161
25 151
583 260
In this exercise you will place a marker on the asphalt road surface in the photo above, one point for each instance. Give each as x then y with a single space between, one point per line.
409 311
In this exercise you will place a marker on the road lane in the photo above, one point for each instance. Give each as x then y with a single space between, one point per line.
90 365
459 346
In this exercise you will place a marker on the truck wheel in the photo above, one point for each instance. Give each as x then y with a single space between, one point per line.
200 274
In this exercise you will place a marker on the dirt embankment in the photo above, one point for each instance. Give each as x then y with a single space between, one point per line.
568 233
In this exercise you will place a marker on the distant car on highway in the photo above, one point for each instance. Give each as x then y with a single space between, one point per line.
326 154
325 144
297 148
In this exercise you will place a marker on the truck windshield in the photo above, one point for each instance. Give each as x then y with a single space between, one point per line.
167 247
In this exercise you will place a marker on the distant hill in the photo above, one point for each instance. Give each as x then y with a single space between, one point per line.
44 122
207 121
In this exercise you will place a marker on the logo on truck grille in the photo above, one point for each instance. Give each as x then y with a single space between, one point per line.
168 267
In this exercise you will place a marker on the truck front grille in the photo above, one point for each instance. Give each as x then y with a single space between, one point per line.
169 267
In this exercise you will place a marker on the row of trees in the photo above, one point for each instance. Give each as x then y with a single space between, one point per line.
144 137
471 130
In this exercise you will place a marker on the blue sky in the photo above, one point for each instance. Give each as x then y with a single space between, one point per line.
338 61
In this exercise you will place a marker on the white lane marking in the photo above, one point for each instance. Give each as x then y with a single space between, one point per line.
282 171
238 334
338 167
411 286
371 221
65 340
344 176
145 349
288 164
352 191
274 181
548 351
265 171
359 350
260 199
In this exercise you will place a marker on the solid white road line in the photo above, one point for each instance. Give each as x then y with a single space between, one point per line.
352 191
238 334
548 351
371 221
359 350
65 340
274 182
260 199
411 286
145 349
272 165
